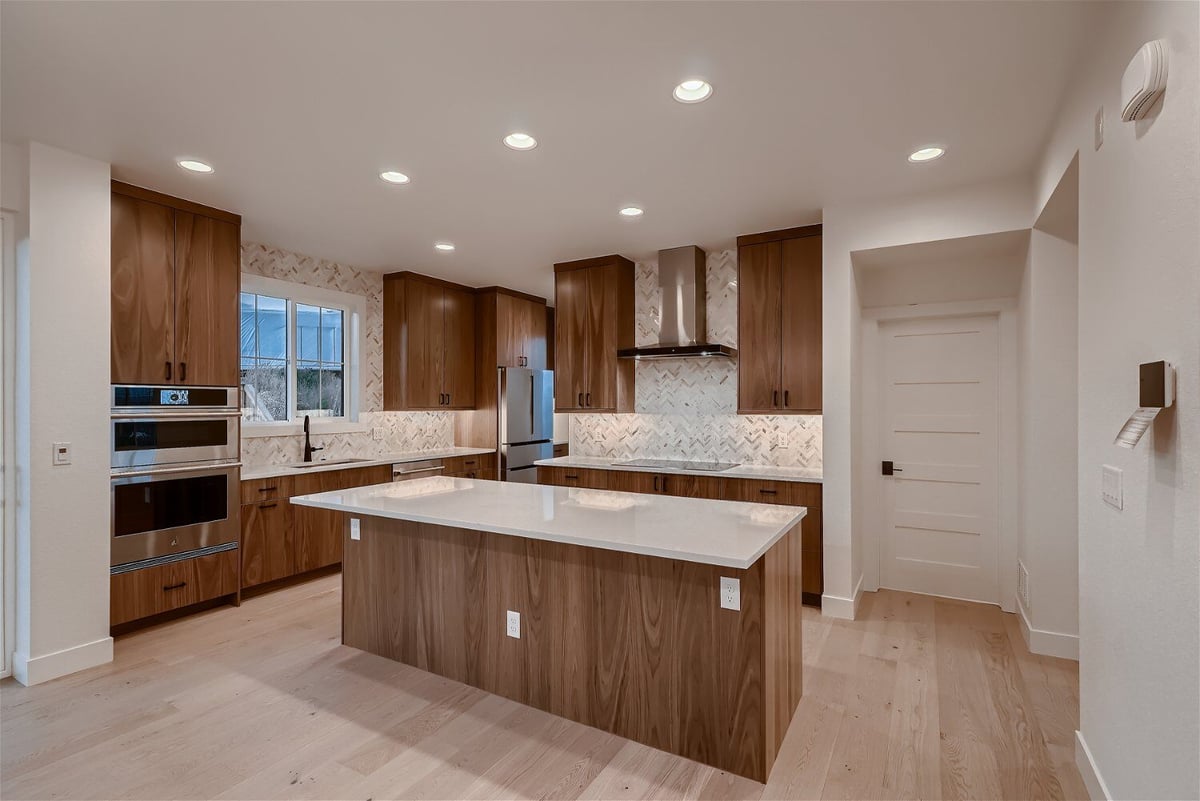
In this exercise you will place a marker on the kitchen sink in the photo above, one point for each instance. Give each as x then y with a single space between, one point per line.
326 463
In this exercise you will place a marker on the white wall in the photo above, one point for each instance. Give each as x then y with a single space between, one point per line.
62 395
1139 284
986 209
1049 368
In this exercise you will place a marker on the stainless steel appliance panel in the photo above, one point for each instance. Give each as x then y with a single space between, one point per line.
410 471
526 405
517 461
170 510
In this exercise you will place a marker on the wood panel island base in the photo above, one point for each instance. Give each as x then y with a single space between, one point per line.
619 596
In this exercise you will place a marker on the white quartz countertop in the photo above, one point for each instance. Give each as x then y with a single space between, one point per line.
275 470
723 533
760 471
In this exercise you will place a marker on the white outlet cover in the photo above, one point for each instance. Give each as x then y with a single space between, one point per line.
1111 490
781 439
355 528
731 593
62 453
513 628
377 434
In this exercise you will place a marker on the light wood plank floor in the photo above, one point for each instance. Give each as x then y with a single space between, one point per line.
920 698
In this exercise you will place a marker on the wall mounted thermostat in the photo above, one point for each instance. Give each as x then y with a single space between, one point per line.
1144 81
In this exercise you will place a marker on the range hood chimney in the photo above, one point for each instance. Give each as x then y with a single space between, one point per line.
684 329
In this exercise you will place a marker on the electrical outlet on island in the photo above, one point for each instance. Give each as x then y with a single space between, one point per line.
514 624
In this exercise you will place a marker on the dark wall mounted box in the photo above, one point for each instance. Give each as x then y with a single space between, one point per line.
1156 385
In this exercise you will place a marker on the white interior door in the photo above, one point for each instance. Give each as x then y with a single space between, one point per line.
939 401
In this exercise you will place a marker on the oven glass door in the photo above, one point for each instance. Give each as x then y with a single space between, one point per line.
148 441
169 512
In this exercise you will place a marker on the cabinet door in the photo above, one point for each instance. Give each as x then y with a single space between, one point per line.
686 486
801 324
268 545
424 345
600 391
143 292
318 532
759 327
532 318
207 277
458 355
509 338
570 339
153 590
634 481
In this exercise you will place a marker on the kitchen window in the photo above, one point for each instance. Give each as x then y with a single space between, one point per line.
299 356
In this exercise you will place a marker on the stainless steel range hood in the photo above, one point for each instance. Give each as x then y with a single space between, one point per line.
684 331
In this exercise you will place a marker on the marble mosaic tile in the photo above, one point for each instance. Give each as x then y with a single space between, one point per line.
403 431
688 407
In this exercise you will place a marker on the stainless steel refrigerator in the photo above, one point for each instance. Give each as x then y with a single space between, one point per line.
526 424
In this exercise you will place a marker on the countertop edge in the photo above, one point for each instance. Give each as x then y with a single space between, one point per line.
768 472
275 471
316 501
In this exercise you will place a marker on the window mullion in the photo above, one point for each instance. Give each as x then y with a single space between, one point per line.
292 334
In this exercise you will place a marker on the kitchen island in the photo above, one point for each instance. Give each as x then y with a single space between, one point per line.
623 622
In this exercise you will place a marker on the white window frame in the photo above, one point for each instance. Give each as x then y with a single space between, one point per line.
354 334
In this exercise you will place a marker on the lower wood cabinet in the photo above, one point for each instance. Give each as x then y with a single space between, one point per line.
790 493
280 540
477 466
163 588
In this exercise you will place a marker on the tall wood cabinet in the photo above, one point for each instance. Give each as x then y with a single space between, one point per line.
175 280
779 322
594 318
428 343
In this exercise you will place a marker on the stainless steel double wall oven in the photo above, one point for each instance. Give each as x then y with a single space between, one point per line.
175 460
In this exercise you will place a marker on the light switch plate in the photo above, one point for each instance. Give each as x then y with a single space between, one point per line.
1110 487
1099 127
514 624
355 530
377 434
731 593
62 453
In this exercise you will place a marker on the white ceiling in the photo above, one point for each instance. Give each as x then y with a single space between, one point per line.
300 106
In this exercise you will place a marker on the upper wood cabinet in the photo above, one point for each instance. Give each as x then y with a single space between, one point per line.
428 343
594 307
779 322
518 323
175 281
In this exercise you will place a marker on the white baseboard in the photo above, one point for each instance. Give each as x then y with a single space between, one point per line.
842 608
1047 643
42 668
1092 779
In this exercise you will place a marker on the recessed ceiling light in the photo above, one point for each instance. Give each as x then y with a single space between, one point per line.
446 246
693 90
927 154
631 211
520 141
194 165
393 177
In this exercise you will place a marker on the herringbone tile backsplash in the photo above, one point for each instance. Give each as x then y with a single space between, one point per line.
687 408
403 431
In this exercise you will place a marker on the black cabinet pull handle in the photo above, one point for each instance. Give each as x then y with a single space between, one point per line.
447 398
580 398
768 492
656 483
570 477
589 399
183 371
170 587
785 397
168 371
268 489
267 505
775 397
470 462
664 487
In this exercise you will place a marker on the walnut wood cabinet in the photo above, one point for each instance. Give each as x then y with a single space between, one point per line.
594 318
779 322
154 590
479 466
520 328
428 343
791 493
280 540
174 298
